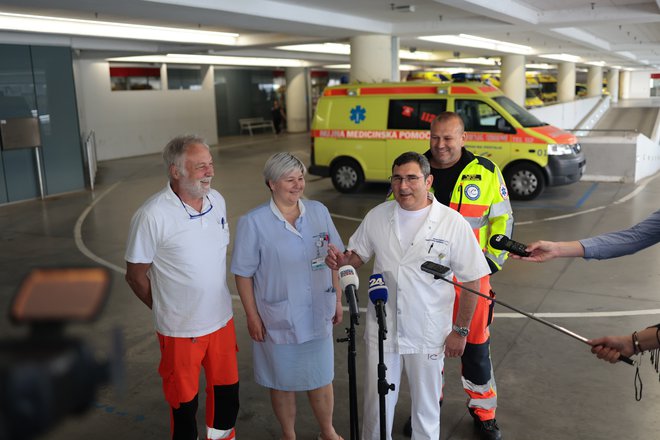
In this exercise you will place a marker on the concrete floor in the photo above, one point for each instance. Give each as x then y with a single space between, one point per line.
550 386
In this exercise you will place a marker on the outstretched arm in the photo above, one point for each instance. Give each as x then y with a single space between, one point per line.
610 348
547 250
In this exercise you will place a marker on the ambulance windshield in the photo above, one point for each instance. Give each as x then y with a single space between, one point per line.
525 118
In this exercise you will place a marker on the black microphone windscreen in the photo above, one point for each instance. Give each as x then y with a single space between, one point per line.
504 243
499 241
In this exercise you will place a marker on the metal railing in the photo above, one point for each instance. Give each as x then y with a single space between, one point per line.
90 148
626 132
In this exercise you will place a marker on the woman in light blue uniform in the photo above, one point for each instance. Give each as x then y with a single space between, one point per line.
291 298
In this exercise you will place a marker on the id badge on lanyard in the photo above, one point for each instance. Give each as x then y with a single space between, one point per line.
320 241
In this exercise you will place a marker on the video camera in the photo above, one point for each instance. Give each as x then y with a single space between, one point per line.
49 375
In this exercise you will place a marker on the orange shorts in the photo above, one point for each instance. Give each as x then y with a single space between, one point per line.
182 359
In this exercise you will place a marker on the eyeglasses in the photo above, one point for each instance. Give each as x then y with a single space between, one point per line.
199 214
410 179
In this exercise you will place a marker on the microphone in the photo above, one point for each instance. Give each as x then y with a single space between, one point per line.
349 283
435 269
504 243
378 296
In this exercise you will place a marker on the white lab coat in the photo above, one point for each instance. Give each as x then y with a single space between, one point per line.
419 308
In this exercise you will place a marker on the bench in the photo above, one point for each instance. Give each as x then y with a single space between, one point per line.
251 123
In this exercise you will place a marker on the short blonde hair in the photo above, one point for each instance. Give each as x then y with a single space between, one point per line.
281 164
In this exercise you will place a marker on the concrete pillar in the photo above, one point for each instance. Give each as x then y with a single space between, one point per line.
512 78
374 58
613 85
566 82
395 74
164 82
296 99
624 84
594 81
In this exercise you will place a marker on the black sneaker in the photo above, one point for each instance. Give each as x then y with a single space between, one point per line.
407 428
488 429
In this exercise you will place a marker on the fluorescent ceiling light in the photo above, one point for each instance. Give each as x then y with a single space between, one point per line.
406 54
345 49
628 55
452 70
331 48
479 42
338 66
562 57
543 66
171 58
106 29
480 61
402 67
596 63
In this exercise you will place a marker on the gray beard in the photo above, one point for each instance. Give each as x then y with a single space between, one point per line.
195 189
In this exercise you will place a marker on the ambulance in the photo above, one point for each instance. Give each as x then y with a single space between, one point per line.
532 89
359 129
532 93
548 87
428 76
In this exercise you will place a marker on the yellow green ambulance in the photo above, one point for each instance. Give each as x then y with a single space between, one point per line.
359 129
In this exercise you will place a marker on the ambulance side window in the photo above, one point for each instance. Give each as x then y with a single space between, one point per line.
477 115
414 114
429 109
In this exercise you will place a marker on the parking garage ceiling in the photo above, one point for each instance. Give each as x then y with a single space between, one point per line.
623 33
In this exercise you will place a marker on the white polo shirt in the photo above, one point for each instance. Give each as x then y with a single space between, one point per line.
188 262
419 308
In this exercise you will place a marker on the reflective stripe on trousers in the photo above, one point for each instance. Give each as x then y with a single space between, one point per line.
479 381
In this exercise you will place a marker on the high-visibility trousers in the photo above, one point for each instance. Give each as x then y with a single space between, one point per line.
476 366
180 367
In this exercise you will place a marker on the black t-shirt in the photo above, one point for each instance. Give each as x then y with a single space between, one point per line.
444 180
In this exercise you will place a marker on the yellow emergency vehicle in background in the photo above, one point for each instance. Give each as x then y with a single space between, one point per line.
428 76
548 87
359 129
532 93
532 89
580 90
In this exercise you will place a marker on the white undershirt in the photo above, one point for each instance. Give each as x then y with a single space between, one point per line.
409 224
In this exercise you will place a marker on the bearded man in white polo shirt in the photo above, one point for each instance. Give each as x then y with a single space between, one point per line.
176 265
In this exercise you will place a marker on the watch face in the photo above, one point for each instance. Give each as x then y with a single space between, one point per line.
462 331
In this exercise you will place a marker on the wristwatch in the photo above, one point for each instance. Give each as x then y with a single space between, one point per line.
462 331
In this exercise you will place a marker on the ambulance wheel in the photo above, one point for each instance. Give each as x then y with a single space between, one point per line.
347 176
525 181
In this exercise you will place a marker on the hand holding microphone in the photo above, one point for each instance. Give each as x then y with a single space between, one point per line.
538 251
378 296
336 258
